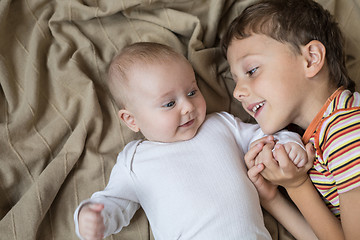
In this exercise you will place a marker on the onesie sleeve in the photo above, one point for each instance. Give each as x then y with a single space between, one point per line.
249 133
285 136
245 133
119 198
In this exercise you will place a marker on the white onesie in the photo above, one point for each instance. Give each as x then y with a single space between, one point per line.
195 189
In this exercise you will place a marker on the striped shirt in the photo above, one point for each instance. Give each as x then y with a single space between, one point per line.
335 134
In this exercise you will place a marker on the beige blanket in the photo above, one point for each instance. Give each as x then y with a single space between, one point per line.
59 134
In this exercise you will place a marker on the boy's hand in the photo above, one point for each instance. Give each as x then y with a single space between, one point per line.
281 170
267 191
91 225
263 141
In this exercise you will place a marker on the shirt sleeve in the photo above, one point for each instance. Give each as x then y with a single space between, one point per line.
119 199
341 149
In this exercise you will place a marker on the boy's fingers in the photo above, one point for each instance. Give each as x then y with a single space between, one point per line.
310 151
253 172
267 155
282 157
264 140
251 155
255 176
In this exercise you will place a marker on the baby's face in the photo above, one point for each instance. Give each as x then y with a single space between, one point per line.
166 101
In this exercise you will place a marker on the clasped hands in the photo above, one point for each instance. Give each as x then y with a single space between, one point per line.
270 164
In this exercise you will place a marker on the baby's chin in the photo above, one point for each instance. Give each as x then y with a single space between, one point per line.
173 139
187 137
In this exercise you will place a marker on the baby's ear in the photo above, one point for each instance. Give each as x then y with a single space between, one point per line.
129 119
315 56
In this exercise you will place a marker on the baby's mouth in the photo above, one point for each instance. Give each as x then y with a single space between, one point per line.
256 107
187 123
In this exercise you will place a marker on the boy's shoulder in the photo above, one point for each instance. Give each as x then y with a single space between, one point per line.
344 101
342 114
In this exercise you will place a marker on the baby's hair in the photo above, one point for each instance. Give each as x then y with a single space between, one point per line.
137 54
294 22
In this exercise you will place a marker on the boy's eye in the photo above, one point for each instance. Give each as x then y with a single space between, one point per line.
252 71
169 104
192 93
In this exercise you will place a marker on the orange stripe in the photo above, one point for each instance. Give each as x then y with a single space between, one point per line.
344 150
346 167
349 183
339 119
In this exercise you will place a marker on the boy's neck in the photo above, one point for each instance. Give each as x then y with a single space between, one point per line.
316 97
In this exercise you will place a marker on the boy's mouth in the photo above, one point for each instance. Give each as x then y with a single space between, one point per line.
189 123
254 108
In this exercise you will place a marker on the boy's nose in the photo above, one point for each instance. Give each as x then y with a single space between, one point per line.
240 92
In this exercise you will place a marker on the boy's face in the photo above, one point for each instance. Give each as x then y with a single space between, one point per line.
270 81
166 102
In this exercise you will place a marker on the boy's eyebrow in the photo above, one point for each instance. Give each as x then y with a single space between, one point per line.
247 55
239 59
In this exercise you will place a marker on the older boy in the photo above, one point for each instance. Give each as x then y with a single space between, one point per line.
287 60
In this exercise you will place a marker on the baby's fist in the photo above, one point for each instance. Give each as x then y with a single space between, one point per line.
91 224
296 153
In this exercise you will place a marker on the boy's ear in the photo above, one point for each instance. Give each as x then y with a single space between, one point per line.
315 55
128 118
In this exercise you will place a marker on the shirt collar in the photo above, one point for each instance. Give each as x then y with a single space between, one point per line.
315 122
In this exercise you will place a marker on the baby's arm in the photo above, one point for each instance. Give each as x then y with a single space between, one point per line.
91 224
118 202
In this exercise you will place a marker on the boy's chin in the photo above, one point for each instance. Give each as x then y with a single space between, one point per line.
268 130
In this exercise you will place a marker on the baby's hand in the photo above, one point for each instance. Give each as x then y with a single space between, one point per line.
91 225
296 154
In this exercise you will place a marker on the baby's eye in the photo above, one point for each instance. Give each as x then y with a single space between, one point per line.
169 104
252 71
192 93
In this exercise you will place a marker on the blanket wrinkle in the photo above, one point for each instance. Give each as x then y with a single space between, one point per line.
59 129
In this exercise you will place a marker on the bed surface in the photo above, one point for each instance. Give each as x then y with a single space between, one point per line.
59 132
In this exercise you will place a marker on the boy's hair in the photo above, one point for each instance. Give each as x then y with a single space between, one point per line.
294 22
132 56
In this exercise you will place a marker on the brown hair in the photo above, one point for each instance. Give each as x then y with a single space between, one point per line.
294 22
136 54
